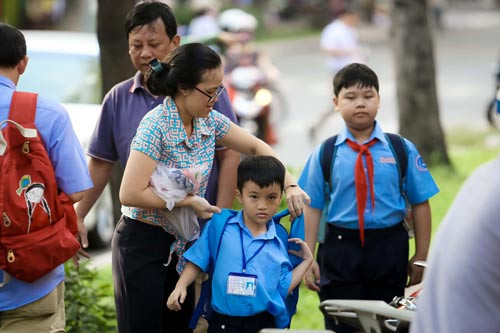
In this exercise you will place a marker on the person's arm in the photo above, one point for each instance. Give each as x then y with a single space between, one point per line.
100 172
312 217
240 140
136 192
300 270
77 196
177 297
423 225
226 184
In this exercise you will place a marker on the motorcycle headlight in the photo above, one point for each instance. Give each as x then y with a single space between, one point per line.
263 97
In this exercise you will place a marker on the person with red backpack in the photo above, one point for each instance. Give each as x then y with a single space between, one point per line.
42 173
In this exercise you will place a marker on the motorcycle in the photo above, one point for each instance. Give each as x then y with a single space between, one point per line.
376 316
255 102
493 108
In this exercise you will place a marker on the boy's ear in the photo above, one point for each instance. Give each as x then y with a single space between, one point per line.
335 101
238 195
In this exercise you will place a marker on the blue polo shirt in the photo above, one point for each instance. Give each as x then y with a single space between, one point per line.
123 108
271 265
65 153
390 207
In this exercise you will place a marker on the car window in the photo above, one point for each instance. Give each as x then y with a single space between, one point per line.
66 78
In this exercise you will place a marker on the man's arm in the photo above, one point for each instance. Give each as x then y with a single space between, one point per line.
423 225
100 172
311 219
226 184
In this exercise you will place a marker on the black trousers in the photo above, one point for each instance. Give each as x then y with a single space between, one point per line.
143 283
219 323
375 271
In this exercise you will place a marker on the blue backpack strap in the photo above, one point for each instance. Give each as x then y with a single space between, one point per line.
218 222
398 147
327 154
296 231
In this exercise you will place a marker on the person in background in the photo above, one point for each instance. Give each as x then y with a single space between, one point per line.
340 43
461 289
365 251
204 24
39 306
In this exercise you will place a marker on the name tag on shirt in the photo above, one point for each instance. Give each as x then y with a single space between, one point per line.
389 160
242 284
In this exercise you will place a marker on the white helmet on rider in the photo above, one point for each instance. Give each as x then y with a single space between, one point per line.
237 20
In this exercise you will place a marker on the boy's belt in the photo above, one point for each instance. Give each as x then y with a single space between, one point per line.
353 234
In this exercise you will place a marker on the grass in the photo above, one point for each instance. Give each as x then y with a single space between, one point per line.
467 151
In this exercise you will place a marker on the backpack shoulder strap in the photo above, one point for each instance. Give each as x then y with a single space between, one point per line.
219 223
398 147
327 157
23 107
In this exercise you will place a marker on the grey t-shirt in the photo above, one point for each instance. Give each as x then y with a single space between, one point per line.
461 291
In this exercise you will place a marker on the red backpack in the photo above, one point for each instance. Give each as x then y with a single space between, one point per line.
38 227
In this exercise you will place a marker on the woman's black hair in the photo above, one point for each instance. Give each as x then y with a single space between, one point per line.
148 12
182 68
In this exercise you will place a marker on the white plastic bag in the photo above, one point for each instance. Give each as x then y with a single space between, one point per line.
173 185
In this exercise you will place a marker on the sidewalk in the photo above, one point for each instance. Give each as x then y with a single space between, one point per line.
464 17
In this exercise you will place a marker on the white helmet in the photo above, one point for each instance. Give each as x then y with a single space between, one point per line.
237 20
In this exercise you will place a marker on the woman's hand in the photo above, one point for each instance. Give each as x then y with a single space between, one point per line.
202 208
296 198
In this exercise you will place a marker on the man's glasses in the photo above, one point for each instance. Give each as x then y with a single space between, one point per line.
212 97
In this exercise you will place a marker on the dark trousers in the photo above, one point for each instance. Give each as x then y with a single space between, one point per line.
219 323
376 271
143 283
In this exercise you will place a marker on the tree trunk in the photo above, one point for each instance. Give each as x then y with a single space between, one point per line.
115 65
415 80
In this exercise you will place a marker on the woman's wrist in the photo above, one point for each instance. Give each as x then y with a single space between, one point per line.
289 186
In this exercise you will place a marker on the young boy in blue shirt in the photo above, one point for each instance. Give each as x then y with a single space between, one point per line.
253 273
365 251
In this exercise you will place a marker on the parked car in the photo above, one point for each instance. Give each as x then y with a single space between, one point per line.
64 66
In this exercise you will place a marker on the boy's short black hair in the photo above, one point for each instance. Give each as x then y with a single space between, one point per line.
13 46
262 170
148 12
352 74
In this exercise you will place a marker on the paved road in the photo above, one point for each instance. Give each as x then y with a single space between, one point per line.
464 52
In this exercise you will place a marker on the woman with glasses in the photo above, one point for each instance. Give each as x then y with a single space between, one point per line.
180 133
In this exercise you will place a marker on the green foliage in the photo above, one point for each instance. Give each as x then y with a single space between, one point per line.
89 301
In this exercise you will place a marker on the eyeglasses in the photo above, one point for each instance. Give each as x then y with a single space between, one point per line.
212 97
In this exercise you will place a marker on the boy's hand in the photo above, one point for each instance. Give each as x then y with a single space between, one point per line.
202 208
304 253
296 198
311 279
176 298
415 272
